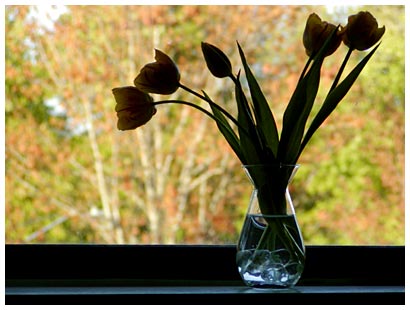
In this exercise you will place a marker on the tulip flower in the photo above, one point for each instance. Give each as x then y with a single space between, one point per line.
134 108
160 77
216 61
315 35
362 31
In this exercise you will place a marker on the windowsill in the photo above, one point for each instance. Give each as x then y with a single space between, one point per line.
81 274
206 295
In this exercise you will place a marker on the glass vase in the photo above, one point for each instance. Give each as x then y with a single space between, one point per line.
270 250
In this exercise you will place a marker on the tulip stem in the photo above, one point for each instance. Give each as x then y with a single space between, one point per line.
217 106
305 68
196 107
339 74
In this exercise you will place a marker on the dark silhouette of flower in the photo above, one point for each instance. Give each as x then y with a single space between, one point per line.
134 108
362 31
316 33
159 77
216 61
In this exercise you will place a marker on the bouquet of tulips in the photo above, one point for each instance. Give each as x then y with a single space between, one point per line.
253 133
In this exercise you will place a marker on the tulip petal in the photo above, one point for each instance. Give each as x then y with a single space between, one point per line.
162 58
129 96
134 108
160 77
362 32
217 62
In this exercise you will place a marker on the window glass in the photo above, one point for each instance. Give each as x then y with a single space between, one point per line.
73 177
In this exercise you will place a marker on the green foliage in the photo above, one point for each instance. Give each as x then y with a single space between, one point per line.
267 130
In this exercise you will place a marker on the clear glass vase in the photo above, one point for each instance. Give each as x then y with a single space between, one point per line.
270 252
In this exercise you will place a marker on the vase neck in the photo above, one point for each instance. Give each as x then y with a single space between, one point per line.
261 174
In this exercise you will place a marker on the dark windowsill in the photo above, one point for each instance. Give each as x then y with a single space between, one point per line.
160 274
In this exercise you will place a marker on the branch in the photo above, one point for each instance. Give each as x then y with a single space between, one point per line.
109 215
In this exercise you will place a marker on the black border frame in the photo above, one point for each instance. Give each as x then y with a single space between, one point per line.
46 267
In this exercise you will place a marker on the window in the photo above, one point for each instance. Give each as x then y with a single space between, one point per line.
72 177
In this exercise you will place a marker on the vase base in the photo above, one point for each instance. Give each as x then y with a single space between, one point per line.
267 269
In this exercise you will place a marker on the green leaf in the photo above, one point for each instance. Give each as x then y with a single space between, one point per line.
297 113
226 130
291 125
334 97
265 121
249 140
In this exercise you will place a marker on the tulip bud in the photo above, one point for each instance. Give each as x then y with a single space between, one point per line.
361 31
160 77
134 108
316 33
217 62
